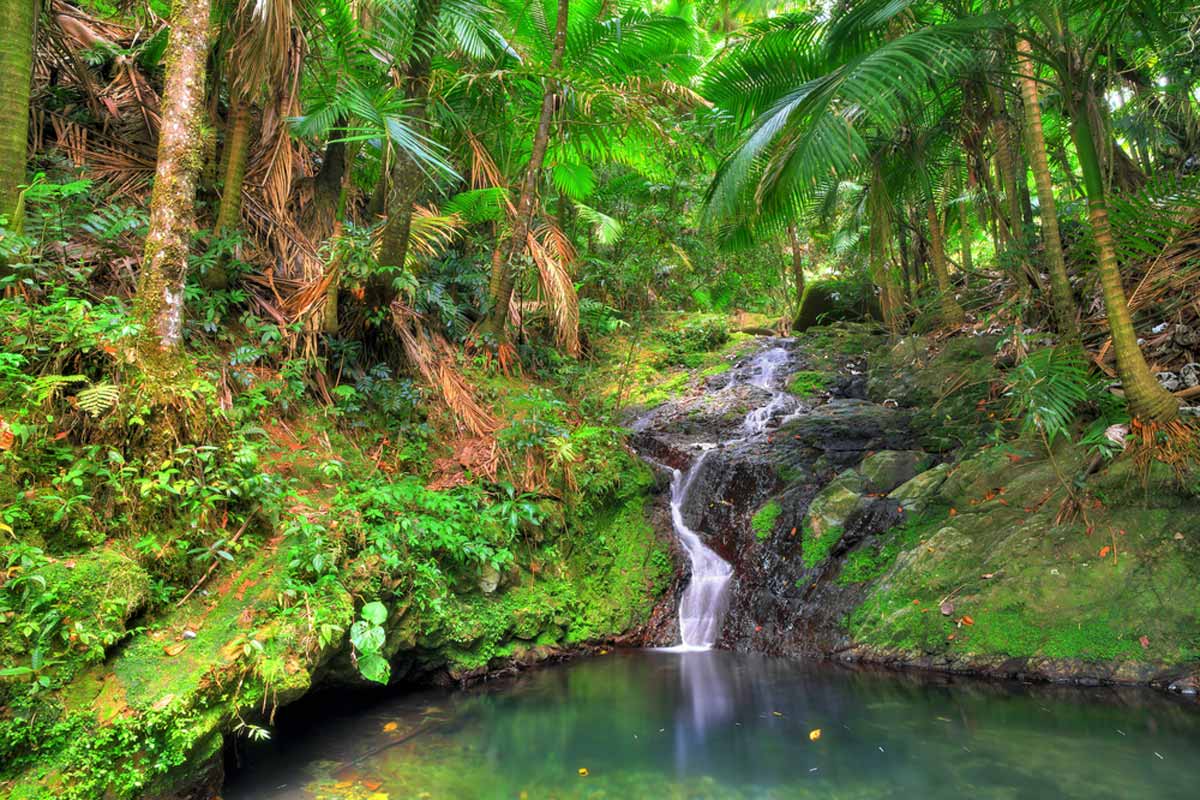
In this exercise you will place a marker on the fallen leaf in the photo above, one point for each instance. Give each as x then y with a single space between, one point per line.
1178 537
372 785
1104 551
175 649
987 576
950 638
1144 641
389 727
954 512
814 734
966 620
583 772
916 602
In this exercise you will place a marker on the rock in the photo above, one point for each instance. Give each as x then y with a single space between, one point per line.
489 580
189 634
887 469
1190 375
1170 381
916 495
830 508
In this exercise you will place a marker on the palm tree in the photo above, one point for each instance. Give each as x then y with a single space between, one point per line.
501 286
159 303
1056 264
16 75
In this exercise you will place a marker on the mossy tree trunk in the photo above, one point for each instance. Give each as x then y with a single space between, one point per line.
16 76
159 304
1062 297
233 179
797 265
1147 399
503 276
951 311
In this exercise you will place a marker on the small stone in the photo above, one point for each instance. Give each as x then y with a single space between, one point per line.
947 608
1178 537
189 634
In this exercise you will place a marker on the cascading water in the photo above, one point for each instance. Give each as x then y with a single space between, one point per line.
705 600
702 607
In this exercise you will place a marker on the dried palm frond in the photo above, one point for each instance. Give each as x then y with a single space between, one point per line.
432 232
435 360
551 252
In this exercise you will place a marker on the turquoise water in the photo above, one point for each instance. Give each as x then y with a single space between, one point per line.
647 724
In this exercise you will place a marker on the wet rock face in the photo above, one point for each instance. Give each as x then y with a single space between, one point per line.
777 604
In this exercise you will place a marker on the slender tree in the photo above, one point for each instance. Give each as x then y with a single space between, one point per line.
1063 299
407 175
16 75
797 265
501 285
952 313
172 203
1147 398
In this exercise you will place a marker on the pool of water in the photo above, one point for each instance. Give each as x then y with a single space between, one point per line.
651 724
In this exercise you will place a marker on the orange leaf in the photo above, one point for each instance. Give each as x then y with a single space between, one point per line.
814 734
389 727
967 620
954 512
1104 551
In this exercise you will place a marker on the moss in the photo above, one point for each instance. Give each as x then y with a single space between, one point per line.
763 521
807 383
817 548
874 559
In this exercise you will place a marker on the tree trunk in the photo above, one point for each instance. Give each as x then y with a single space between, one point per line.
407 177
237 150
501 285
797 266
952 313
1060 287
964 240
16 75
159 303
1147 399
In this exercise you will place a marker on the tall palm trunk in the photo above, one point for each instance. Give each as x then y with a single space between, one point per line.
237 150
233 178
1060 288
407 177
1146 397
952 313
501 284
964 239
159 303
797 266
16 75
881 213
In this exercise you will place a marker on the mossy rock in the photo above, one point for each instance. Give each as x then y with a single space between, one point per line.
884 471
833 504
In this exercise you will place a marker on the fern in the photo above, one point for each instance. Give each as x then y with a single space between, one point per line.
1048 388
99 398
46 387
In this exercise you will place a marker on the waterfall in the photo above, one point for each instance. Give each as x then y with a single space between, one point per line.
702 608
706 598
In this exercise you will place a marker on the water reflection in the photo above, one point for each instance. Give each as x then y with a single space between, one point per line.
720 725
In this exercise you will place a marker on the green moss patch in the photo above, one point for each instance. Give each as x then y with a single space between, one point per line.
763 521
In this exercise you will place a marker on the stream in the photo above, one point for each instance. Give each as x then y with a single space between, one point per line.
691 721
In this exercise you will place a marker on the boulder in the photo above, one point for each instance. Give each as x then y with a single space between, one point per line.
887 469
918 493
830 508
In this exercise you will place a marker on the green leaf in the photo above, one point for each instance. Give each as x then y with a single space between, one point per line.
375 613
374 667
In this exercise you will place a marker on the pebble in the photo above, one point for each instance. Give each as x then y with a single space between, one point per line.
189 634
